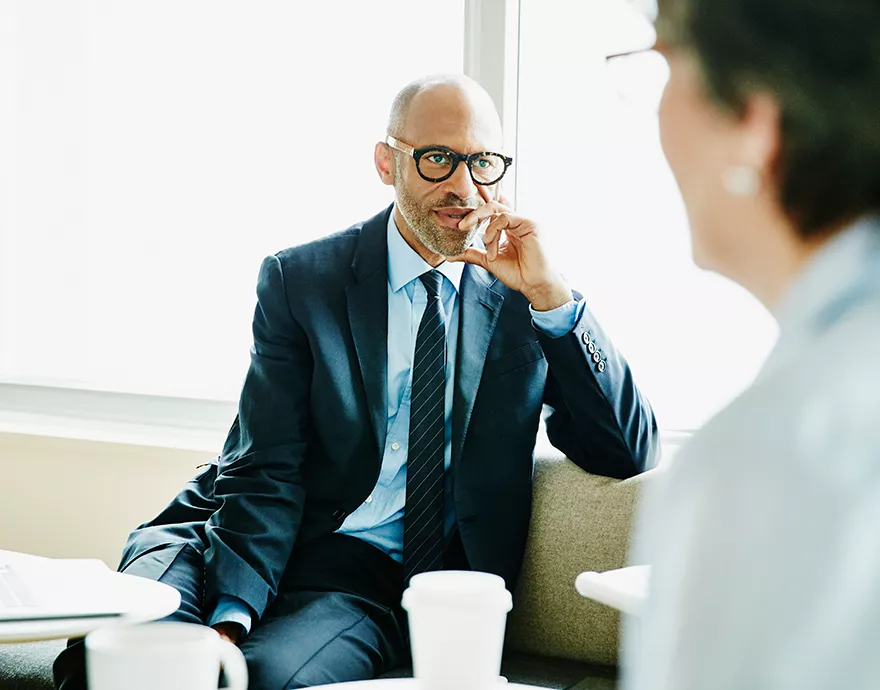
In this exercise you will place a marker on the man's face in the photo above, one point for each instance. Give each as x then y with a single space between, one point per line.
444 116
433 215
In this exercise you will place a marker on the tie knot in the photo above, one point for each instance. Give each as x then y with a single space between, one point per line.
431 280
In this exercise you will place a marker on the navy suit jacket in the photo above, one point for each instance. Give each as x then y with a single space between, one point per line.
306 446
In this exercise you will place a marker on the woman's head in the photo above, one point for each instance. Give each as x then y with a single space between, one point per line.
771 118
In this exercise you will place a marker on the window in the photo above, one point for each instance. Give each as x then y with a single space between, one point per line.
151 154
592 172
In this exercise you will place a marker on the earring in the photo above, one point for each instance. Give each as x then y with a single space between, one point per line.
740 180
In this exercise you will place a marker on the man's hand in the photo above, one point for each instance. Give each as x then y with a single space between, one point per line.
231 632
514 254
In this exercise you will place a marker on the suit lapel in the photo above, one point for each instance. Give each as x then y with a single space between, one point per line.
368 316
481 299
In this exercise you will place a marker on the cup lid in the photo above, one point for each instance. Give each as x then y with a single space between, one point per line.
466 586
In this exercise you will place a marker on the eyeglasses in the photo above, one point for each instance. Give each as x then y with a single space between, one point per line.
636 71
638 78
438 163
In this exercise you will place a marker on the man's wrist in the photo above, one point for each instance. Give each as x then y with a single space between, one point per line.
549 297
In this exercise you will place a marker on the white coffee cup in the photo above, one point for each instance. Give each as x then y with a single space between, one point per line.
456 623
167 655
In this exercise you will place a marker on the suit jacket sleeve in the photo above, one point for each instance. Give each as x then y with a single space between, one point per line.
599 419
259 486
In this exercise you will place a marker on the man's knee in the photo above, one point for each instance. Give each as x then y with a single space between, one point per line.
272 668
179 566
326 638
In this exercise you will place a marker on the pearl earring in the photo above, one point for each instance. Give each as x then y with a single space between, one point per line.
740 180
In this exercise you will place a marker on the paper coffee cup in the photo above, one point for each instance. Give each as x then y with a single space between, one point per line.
456 622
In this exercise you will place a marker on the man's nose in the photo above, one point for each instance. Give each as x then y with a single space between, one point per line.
460 183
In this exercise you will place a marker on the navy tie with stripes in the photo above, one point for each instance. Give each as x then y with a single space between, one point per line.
423 515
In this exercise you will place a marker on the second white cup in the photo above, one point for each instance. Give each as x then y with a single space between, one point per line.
167 655
457 621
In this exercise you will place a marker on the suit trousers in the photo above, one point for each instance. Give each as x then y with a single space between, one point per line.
336 618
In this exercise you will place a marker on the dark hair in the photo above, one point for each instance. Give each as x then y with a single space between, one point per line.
820 60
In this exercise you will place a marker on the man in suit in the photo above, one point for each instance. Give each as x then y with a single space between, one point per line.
388 419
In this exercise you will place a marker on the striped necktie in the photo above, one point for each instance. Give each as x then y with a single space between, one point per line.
423 515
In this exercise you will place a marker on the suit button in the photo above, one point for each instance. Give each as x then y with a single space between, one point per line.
586 338
339 515
601 366
596 357
591 348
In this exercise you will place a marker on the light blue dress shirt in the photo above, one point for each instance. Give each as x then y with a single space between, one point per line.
379 519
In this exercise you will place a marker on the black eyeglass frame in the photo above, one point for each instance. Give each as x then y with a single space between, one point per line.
456 158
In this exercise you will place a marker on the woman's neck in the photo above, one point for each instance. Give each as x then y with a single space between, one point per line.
775 264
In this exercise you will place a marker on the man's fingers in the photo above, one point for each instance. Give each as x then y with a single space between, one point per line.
493 230
492 249
472 256
493 235
231 632
490 208
514 226
500 222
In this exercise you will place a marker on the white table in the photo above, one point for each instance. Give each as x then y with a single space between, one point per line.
625 589
407 684
139 599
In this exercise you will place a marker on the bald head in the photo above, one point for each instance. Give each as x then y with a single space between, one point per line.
439 115
444 102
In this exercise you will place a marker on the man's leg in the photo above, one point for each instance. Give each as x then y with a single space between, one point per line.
337 618
175 565
315 638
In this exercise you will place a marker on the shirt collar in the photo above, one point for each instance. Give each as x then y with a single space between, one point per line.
830 275
404 265
832 280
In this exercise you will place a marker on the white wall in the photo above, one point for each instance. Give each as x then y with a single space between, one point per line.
69 498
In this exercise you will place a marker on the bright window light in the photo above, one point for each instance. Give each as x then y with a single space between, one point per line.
152 153
591 170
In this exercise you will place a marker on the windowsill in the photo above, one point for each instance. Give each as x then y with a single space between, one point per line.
151 420
126 418
110 432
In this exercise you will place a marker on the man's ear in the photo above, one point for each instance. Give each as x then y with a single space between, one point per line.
384 159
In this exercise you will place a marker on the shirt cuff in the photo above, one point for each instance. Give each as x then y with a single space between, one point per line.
560 321
231 610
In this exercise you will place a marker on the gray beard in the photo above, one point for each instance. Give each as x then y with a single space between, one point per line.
437 238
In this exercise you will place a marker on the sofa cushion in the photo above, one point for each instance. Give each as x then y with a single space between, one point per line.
580 522
28 666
